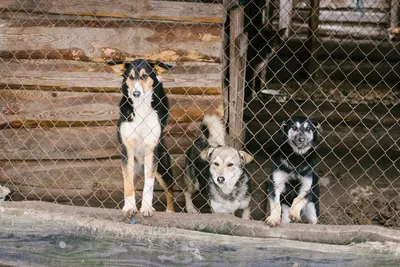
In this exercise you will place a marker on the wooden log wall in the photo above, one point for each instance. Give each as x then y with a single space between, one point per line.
59 101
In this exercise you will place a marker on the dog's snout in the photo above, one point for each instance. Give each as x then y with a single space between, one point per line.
220 179
136 93
301 139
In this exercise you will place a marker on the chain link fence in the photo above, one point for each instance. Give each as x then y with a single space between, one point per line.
337 63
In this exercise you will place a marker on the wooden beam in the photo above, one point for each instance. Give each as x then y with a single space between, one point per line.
238 49
285 15
142 10
345 4
32 108
82 143
313 42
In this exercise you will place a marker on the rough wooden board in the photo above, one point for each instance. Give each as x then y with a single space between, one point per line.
160 41
34 234
23 107
146 9
345 16
216 223
337 4
81 143
80 76
49 180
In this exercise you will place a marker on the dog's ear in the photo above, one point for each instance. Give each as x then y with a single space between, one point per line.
160 67
282 129
282 32
206 154
319 130
117 66
245 157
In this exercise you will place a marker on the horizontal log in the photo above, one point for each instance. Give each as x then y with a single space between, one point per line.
323 111
344 16
61 180
337 4
157 41
185 78
32 108
144 10
81 143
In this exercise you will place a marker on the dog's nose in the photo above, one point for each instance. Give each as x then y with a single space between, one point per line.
301 139
136 93
220 179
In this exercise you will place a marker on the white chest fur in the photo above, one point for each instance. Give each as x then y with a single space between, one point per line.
221 205
143 132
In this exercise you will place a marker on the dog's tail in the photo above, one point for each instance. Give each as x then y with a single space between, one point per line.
213 130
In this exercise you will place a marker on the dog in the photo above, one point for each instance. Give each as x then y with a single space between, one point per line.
218 170
293 189
144 114
262 47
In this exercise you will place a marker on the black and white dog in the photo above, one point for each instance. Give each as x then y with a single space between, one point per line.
218 170
293 190
143 117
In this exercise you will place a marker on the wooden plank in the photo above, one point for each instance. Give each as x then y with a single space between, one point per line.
186 78
156 41
32 108
394 13
344 16
313 42
49 180
237 55
143 10
337 4
81 143
286 15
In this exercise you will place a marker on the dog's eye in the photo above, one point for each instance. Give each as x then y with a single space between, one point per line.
144 77
308 129
131 77
216 164
294 128
230 164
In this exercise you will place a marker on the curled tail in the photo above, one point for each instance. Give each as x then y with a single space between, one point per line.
213 130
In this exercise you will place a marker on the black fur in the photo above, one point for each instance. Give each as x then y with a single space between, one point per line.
299 165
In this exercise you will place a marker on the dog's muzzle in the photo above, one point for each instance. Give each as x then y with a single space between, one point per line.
220 179
136 93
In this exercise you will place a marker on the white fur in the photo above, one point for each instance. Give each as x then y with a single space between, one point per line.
147 201
220 205
216 129
130 205
285 214
310 213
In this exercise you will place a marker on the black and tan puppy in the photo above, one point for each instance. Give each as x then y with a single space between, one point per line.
143 117
293 190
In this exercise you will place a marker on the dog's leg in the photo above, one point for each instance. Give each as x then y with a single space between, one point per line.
300 201
128 172
310 213
188 201
169 193
246 213
285 214
279 179
149 177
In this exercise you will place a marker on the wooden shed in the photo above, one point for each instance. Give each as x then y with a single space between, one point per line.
59 100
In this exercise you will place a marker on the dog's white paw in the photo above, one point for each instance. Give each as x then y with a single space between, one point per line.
146 211
129 209
273 221
191 210
294 215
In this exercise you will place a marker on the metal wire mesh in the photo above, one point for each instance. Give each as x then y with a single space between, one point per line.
59 100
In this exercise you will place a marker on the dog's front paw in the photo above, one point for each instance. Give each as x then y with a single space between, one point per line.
191 210
146 211
294 215
129 209
273 221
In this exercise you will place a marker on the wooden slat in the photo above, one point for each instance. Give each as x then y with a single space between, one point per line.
345 16
81 143
157 41
185 78
335 4
31 108
61 179
145 9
